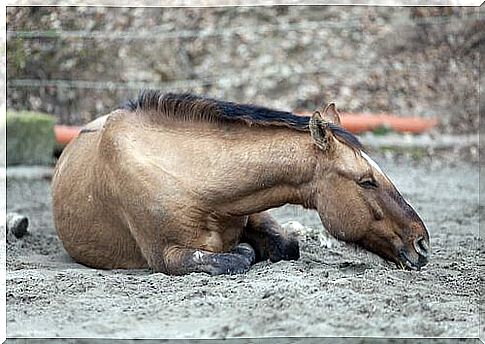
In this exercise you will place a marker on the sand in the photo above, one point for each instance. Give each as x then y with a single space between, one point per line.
333 290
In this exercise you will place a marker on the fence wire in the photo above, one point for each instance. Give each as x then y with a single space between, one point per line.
225 80
162 33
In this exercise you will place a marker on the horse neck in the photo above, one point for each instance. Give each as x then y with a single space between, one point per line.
276 167
235 169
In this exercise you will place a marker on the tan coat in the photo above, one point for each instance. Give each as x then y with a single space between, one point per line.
180 194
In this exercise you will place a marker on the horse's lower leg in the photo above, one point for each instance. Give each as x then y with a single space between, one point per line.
269 240
180 261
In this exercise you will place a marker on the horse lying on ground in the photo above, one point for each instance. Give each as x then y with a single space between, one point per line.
181 183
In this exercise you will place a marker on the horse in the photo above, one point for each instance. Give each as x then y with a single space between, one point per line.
181 183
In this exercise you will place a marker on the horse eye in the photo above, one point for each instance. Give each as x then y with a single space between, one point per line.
368 183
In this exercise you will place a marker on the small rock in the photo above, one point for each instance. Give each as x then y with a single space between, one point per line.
17 224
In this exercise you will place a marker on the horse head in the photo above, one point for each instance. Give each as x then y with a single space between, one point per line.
357 202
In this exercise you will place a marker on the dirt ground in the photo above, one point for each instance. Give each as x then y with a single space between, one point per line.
333 290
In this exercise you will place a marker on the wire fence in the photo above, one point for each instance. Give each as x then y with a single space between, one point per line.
225 80
291 63
163 33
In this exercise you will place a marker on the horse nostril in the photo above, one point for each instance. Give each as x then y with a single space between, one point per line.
421 246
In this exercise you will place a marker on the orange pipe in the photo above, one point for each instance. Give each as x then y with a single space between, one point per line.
355 123
65 133
358 123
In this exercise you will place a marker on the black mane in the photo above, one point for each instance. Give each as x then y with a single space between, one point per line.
188 106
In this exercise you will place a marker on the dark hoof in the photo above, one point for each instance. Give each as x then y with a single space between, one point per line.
238 261
246 251
284 249
229 264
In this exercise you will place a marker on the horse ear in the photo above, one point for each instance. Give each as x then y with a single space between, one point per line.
331 114
320 131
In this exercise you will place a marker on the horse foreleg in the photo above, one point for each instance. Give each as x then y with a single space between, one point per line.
180 261
269 239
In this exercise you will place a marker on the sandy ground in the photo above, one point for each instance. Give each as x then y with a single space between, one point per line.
333 290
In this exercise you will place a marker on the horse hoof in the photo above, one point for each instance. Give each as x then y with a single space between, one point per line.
229 265
246 251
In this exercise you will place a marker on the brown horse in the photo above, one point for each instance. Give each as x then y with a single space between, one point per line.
180 183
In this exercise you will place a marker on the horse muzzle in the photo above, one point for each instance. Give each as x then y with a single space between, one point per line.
415 260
